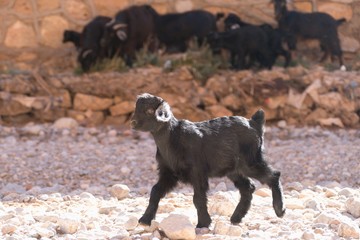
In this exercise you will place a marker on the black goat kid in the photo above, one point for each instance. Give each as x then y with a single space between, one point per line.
192 152
246 44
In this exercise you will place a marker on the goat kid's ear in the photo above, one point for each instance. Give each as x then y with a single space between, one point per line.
121 35
163 113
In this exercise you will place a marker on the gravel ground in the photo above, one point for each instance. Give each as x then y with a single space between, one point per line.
41 165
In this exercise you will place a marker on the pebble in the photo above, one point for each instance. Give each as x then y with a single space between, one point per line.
263 192
8 229
62 123
353 206
177 226
119 191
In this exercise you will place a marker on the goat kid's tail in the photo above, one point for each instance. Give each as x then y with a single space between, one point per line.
259 119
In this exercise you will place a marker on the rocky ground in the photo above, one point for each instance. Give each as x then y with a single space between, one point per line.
68 182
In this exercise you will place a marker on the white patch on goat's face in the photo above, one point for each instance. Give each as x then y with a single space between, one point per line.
235 26
163 112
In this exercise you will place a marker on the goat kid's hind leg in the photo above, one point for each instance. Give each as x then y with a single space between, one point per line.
265 174
246 188
166 182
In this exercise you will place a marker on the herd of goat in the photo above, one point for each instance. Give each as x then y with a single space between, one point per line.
135 27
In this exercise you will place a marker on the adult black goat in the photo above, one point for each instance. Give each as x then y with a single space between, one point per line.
191 152
129 31
317 25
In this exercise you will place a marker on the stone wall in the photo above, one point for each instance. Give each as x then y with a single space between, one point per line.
296 95
31 30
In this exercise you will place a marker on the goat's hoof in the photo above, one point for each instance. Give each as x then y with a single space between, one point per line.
280 212
203 224
235 220
145 220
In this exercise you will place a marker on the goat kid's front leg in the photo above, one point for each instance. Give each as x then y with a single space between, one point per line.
166 182
200 202
246 188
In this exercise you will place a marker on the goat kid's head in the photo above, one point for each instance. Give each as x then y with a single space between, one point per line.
151 113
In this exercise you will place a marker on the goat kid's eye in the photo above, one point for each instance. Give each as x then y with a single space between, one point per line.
150 111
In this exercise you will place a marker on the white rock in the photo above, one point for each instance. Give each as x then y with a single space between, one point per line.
330 193
2 208
65 123
282 124
112 133
295 186
225 228
8 229
50 217
33 130
263 192
234 231
86 195
125 170
153 226
294 204
223 204
314 204
43 197
68 223
178 226
308 235
352 206
347 192
349 229
327 218
131 223
120 191
45 233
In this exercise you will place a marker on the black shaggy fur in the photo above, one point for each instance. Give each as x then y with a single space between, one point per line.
72 36
192 152
129 31
174 30
275 37
91 50
246 44
317 25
